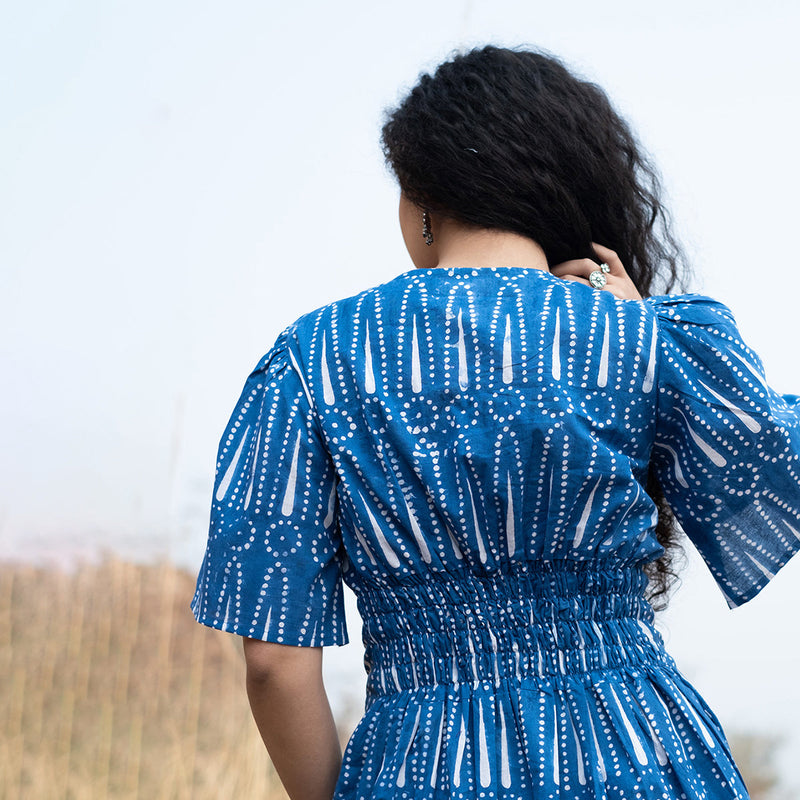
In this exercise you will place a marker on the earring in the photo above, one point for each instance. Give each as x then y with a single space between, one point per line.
427 233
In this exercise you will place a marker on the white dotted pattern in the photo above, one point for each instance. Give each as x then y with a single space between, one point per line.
467 449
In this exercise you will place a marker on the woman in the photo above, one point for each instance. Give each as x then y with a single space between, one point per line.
486 449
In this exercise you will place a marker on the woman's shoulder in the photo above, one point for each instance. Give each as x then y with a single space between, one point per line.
317 333
327 314
692 323
690 308
673 311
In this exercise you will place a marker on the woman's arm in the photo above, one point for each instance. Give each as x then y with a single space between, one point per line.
291 709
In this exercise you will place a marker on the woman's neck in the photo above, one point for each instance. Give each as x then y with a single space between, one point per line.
461 246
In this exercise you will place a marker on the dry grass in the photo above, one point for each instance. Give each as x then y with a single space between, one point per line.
112 690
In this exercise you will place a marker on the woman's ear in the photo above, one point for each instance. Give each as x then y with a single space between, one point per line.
418 226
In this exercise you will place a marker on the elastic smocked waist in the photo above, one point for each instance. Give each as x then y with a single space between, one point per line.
538 619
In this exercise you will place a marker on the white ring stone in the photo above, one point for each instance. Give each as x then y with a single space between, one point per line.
597 279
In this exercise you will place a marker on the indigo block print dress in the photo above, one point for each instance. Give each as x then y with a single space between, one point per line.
467 450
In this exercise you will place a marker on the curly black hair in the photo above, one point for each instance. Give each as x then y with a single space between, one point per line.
510 139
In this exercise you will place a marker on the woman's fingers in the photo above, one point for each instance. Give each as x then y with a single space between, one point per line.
617 283
579 266
608 256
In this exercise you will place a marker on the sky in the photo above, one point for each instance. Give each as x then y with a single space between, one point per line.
178 182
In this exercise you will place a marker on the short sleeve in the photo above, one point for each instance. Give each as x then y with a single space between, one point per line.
273 563
727 446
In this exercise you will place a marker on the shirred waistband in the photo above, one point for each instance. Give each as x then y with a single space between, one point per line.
538 619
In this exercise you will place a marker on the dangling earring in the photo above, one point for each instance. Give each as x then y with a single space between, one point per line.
427 233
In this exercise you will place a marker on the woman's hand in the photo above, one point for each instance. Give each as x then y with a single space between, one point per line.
617 280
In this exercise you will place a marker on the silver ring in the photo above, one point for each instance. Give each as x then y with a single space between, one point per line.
598 278
605 268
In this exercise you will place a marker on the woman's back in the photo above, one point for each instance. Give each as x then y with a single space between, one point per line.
468 449
483 407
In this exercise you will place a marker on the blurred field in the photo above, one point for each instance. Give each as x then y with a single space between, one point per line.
110 689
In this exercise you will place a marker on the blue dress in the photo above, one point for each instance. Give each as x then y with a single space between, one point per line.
467 449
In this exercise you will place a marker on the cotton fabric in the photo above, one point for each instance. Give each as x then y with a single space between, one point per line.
467 449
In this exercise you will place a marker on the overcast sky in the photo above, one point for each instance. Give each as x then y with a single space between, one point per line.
179 181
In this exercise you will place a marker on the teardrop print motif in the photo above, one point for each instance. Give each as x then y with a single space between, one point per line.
251 480
462 741
647 384
556 364
482 554
602 373
749 422
505 765
485 773
793 530
329 516
463 378
327 386
437 752
416 371
401 775
510 533
675 463
369 375
287 507
601 764
224 484
418 535
638 749
578 751
508 371
582 522
387 551
716 458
